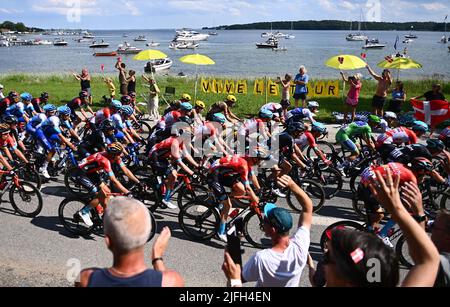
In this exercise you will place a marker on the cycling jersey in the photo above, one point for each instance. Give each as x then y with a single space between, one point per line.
51 126
205 131
169 148
251 126
29 109
300 114
36 102
384 125
76 104
171 118
17 109
118 122
286 145
232 166
98 162
406 154
37 120
397 136
275 108
94 142
100 116
354 130
4 104
306 139
9 143
397 169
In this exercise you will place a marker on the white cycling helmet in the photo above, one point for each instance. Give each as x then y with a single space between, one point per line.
390 115
313 104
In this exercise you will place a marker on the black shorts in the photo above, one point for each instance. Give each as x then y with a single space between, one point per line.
217 183
301 96
161 166
370 203
90 182
378 102
74 116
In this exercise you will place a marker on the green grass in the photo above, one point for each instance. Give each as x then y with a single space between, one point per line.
63 88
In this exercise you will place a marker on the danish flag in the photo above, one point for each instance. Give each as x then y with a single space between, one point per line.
431 112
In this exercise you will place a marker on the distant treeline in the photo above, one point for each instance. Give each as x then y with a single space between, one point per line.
18 27
337 25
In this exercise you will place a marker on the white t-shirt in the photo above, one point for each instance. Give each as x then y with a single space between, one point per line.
272 269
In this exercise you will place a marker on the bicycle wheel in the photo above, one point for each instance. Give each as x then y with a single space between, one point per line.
185 195
313 189
354 183
199 221
360 208
29 174
326 147
143 129
342 224
68 213
26 199
72 184
154 228
402 252
254 231
331 181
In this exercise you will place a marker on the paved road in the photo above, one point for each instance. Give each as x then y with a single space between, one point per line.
36 252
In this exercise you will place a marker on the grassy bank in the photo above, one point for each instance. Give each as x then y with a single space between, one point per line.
63 88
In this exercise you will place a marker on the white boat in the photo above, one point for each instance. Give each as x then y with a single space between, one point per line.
359 36
140 38
183 45
374 46
88 35
190 36
102 44
153 44
280 49
128 49
408 41
83 40
39 42
410 35
271 43
290 36
60 43
444 39
158 65
4 43
213 33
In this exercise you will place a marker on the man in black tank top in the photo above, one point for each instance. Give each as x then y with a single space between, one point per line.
85 82
127 227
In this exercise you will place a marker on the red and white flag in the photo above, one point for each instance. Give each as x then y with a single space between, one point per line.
431 112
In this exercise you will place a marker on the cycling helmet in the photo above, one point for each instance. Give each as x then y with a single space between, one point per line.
313 105
107 125
296 127
374 119
186 97
116 104
64 110
125 99
319 127
434 145
115 149
186 106
219 118
390 115
200 104
419 126
4 129
45 95
26 97
49 108
10 119
132 95
13 95
187 120
421 164
127 110
232 98
265 114
84 94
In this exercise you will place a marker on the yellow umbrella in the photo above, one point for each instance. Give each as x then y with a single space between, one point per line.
400 63
148 55
345 62
197 59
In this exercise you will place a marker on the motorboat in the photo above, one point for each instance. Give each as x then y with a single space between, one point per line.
126 48
213 33
158 65
271 43
408 41
39 42
280 49
153 44
60 43
190 36
374 46
444 39
83 40
192 45
4 43
106 54
102 44
88 35
266 34
358 37
140 38
183 45
289 36
411 35
373 41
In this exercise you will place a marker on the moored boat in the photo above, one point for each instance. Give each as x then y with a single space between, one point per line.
106 54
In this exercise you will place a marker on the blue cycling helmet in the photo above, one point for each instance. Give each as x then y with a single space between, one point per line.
186 106
26 96
128 110
49 108
420 126
296 127
319 127
64 110
219 118
116 104
265 114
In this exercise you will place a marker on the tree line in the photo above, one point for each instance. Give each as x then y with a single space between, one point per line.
18 27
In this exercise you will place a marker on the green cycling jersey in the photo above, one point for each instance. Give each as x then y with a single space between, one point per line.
354 130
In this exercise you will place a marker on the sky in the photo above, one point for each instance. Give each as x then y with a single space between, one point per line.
169 14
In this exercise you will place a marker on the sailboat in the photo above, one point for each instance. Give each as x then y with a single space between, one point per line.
444 39
410 35
357 37
290 35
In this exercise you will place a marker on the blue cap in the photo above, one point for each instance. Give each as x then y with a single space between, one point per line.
278 218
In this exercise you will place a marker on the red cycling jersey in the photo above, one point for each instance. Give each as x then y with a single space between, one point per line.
233 165
98 162
171 118
397 169
169 148
4 104
306 139
8 143
397 136
206 130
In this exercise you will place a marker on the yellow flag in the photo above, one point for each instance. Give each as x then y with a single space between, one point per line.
206 85
217 86
333 88
259 88
229 87
241 87
272 88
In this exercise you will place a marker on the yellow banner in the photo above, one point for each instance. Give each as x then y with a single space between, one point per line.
272 88
333 89
206 85
241 87
229 87
217 86
259 88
